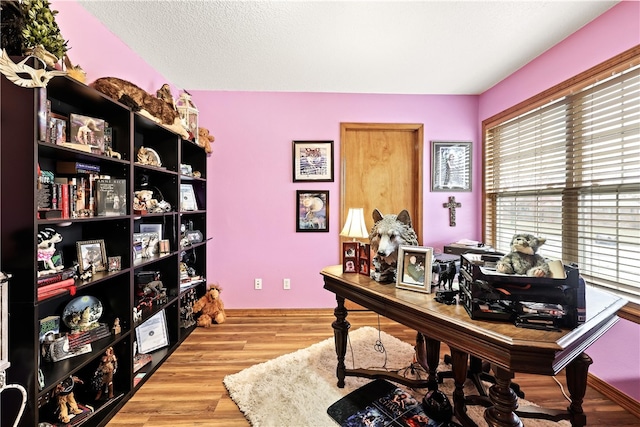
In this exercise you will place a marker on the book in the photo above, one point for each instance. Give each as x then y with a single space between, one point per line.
52 289
110 196
64 274
73 168
49 325
380 403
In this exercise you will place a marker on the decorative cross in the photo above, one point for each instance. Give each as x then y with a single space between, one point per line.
452 205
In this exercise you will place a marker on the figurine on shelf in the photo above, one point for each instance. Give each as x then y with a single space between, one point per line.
103 377
116 326
65 398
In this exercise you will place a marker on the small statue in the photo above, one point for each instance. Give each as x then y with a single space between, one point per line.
103 377
63 393
116 326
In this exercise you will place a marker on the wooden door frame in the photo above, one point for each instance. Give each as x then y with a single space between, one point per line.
418 130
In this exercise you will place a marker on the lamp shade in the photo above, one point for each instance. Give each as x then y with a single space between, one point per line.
355 226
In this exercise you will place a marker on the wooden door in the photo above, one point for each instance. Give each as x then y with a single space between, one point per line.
381 167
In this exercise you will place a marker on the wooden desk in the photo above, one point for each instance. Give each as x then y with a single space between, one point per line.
507 348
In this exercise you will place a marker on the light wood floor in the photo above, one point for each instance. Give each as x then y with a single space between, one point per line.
187 390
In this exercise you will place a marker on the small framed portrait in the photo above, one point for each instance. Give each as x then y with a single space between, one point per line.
414 268
350 257
57 129
312 211
450 166
188 198
115 263
364 259
312 161
92 255
87 131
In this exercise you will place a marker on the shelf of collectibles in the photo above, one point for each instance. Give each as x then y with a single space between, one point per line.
108 268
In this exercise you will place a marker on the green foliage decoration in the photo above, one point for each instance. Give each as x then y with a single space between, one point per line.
40 27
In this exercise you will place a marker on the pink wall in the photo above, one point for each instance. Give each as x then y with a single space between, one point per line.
251 200
616 355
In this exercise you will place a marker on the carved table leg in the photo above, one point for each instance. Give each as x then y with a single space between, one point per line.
459 366
504 400
340 330
428 356
576 373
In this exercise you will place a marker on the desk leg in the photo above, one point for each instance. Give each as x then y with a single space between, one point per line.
428 356
576 373
504 400
340 330
459 361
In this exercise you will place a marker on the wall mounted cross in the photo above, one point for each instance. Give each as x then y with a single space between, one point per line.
452 205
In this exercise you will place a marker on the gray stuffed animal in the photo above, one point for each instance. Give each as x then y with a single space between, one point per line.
523 258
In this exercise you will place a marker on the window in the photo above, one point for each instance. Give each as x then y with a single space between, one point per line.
566 166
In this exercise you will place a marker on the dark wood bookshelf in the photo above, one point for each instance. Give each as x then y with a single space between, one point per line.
21 153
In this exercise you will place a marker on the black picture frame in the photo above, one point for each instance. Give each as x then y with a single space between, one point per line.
312 211
313 161
451 166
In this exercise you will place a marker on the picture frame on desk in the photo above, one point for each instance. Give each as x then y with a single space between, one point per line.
364 259
92 255
451 166
414 268
350 257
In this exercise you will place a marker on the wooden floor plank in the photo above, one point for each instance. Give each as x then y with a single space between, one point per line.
187 389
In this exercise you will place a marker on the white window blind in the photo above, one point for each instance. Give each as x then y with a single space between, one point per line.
569 171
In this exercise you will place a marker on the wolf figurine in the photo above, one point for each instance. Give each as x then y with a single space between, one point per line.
388 233
523 258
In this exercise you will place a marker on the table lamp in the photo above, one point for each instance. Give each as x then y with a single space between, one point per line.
354 257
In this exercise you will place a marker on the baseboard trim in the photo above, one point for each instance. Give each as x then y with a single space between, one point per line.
262 312
622 399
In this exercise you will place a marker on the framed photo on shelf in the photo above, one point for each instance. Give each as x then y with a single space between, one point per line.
92 254
188 198
87 131
152 334
414 268
152 228
115 263
450 166
312 211
57 129
312 161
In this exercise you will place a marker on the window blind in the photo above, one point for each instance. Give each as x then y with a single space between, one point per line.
569 171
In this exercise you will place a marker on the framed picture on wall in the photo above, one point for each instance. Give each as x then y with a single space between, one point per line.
312 161
450 166
312 210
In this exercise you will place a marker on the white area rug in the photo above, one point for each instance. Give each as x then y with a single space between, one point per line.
295 390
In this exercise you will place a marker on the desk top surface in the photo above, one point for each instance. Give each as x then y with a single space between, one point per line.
518 349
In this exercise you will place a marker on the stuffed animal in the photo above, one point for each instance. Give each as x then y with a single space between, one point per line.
47 239
205 139
210 307
141 200
523 258
139 100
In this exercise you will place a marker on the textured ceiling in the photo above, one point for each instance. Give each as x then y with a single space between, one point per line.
414 47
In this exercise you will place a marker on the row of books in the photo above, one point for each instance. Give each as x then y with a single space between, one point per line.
79 190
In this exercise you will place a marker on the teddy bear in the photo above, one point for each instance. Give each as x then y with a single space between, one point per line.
523 258
205 139
142 200
210 307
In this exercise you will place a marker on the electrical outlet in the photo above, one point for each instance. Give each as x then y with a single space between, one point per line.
257 283
286 283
